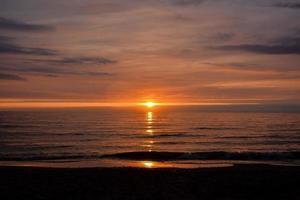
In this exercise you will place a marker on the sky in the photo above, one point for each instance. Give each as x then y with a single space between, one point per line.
178 51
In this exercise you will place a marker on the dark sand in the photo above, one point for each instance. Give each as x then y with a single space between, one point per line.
238 182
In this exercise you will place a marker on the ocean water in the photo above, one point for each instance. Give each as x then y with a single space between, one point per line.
147 137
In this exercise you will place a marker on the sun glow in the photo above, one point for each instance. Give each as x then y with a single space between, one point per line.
148 164
150 104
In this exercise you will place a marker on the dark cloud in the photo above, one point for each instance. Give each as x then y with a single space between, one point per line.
257 67
244 66
51 71
288 5
56 66
12 77
83 60
289 40
4 38
36 69
14 25
8 47
262 49
283 45
98 74
223 36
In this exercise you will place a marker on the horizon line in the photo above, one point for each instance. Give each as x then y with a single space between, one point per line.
74 104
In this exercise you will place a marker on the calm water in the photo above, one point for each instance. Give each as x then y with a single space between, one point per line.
193 137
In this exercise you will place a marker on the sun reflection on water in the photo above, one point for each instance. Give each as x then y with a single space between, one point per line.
149 121
149 117
149 131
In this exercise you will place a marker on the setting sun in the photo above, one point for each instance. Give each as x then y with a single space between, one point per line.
148 164
150 104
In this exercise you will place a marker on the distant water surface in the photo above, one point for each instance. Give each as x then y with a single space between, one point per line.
160 136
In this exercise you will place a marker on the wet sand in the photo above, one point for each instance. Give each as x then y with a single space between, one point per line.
237 182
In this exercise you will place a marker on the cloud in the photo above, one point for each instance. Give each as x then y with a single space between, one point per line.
14 25
98 74
52 71
223 36
11 77
262 49
52 67
185 2
8 47
282 45
119 6
36 69
83 60
257 67
290 40
288 5
4 38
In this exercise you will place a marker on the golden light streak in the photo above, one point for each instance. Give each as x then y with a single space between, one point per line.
73 103
150 104
150 131
149 116
148 164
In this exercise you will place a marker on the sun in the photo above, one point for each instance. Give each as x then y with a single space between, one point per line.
150 104
148 164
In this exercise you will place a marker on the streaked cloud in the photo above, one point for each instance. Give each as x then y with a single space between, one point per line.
250 66
11 77
288 5
283 45
52 71
263 49
9 47
185 2
15 25
82 60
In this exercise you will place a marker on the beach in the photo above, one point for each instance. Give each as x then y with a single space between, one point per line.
236 182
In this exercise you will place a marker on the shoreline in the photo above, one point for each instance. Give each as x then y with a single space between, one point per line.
242 181
144 163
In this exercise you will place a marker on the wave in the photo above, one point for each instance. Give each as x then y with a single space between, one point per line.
221 155
13 126
48 158
167 156
260 137
288 129
162 135
215 128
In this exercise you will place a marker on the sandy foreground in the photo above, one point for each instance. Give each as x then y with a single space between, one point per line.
237 182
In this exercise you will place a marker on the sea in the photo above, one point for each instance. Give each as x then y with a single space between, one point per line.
162 136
